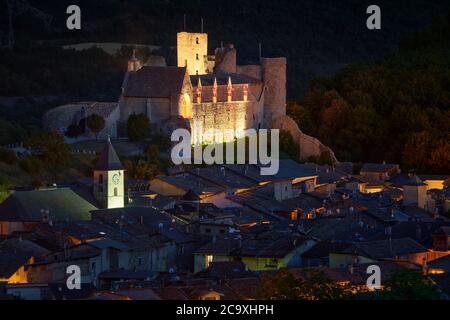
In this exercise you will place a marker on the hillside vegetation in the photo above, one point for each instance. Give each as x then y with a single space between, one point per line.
394 110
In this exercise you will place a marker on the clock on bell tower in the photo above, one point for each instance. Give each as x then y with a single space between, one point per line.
109 179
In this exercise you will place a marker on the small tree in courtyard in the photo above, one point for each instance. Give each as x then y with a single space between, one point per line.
95 123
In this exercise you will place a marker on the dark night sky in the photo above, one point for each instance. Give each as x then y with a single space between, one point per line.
317 36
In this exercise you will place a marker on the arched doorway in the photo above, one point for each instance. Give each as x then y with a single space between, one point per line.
186 106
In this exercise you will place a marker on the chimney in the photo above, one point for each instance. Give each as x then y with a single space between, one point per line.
424 265
388 230
239 238
350 268
418 232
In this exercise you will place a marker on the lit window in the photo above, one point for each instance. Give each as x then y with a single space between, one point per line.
208 260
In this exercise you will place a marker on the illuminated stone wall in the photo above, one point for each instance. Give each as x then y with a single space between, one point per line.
192 52
235 116
228 119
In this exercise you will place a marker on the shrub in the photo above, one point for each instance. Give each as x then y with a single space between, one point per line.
138 127
8 156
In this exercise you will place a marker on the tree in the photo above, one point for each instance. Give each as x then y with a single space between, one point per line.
409 284
74 131
8 156
141 169
138 127
51 149
95 123
312 284
288 145
280 286
152 153
32 165
4 188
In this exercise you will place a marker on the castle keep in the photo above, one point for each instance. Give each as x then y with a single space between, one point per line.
208 94
211 95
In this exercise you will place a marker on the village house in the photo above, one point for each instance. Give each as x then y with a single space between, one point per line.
379 172
22 211
269 251
402 250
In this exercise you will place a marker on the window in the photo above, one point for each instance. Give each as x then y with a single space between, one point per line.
208 260
197 40
100 181
115 192
196 56
207 230
140 261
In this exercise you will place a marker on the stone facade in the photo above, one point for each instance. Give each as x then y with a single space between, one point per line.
192 52
213 122
274 76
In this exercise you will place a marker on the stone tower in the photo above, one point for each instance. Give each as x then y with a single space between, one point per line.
109 179
192 52
274 76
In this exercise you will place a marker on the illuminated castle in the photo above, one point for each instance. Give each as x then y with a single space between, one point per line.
206 93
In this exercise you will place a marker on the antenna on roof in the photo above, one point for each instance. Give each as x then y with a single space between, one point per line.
202 25
260 51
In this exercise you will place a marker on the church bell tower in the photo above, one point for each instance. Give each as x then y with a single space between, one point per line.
109 179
